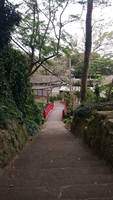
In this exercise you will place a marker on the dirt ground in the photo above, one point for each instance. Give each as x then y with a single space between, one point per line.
56 166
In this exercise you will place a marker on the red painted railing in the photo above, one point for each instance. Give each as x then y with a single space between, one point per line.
50 107
64 112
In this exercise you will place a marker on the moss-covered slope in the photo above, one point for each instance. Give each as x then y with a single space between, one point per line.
12 140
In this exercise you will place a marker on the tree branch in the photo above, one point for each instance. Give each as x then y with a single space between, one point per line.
46 30
60 23
40 64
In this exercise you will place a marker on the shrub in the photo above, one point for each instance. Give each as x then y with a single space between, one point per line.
32 126
52 99
15 89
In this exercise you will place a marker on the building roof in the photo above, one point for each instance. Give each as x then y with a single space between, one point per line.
35 87
43 79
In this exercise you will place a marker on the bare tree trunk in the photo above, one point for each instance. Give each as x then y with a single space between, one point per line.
70 83
33 38
87 53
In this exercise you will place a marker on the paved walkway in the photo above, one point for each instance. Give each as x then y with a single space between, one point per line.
56 166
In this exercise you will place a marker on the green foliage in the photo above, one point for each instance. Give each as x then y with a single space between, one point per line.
52 99
15 70
55 98
95 129
98 65
68 117
17 100
68 121
4 88
33 111
85 109
10 17
97 92
77 62
90 93
67 99
58 97
35 28
103 66
3 116
41 30
32 127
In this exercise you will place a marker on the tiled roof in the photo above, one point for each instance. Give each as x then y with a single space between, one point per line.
43 79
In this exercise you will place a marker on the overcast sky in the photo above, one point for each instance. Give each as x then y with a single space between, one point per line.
98 13
77 29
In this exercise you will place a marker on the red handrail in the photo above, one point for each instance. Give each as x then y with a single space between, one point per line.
64 112
47 110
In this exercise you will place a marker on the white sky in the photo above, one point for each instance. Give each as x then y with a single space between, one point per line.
77 28
106 13
98 13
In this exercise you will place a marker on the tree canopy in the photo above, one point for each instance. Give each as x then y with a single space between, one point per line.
98 65
9 17
41 30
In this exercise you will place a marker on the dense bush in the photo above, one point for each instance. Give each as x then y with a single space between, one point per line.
84 110
15 75
10 17
17 99
55 98
68 116
52 99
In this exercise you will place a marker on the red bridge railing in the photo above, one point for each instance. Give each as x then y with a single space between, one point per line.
48 109
64 112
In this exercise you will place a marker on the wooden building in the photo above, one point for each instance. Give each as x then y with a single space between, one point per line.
42 85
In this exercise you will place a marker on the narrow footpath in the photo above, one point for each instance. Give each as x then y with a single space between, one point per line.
56 166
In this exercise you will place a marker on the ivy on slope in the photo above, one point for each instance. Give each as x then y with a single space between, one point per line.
17 100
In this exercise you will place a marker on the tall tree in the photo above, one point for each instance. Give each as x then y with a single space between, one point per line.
88 43
41 30
87 53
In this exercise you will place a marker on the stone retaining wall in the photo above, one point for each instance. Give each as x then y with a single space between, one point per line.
97 131
12 140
